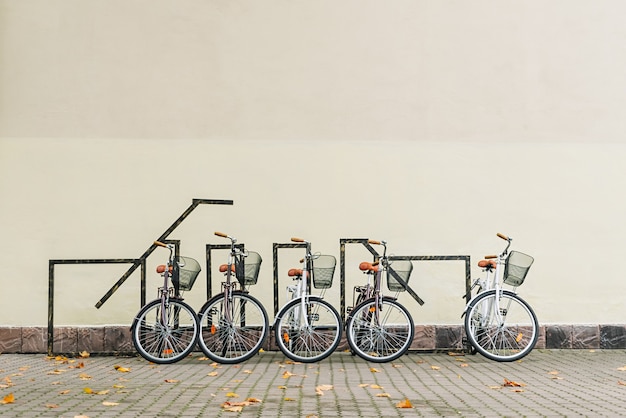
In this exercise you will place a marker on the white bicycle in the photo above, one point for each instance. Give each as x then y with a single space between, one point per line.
499 324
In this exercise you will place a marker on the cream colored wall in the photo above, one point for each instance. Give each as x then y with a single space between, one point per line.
432 125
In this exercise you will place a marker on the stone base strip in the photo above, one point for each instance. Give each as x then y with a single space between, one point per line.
116 339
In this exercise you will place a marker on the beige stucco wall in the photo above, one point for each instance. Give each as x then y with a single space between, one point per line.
432 125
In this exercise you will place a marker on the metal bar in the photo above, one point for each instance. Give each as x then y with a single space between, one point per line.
50 307
151 248
275 248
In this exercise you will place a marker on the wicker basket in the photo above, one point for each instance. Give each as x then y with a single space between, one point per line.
403 268
323 271
188 270
252 266
516 268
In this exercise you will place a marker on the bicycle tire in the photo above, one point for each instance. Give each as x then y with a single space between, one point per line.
236 340
381 340
165 344
308 343
508 336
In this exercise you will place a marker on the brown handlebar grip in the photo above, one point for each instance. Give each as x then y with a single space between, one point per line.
294 239
221 234
487 257
504 237
160 244
373 241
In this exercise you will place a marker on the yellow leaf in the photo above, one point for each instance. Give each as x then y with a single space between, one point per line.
383 395
519 337
321 388
51 405
83 354
106 403
232 395
622 369
212 374
374 370
376 387
64 392
171 381
118 386
435 367
363 385
121 369
287 374
289 399
404 404
247 371
84 376
282 387
88 391
463 365
233 409
102 392
8 399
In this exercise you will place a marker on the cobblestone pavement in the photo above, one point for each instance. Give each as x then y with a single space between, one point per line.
552 383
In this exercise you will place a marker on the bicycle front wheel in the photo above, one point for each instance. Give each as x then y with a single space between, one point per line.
165 332
501 326
308 332
380 332
232 331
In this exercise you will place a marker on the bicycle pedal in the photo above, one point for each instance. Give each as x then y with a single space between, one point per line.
349 309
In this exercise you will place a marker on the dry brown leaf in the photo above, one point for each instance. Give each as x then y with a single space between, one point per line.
518 390
374 370
287 374
510 383
621 382
172 380
64 392
51 405
404 404
233 408
121 369
254 400
463 365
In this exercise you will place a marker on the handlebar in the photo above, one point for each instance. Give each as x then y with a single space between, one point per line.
373 241
295 239
221 234
504 237
160 244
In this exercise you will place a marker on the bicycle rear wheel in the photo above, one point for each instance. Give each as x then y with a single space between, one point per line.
380 333
165 333
232 332
308 332
501 326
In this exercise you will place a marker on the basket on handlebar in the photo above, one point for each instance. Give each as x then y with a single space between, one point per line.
188 270
251 268
323 271
403 268
516 268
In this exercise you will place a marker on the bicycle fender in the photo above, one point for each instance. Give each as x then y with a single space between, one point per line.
388 298
282 310
219 295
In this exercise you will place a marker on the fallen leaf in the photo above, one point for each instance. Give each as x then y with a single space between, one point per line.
620 382
172 380
8 399
118 386
84 376
64 392
404 404
364 385
464 365
212 374
51 405
254 400
247 371
282 387
435 367
84 354
319 390
622 369
374 370
88 391
376 387
383 395
233 409
510 383
289 399
517 390
107 403
121 369
232 395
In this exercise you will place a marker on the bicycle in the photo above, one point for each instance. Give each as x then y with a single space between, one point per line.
233 324
307 328
379 329
499 324
165 330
